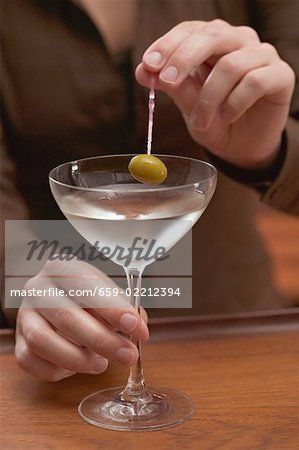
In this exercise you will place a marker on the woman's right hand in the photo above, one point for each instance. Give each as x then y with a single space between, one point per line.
59 336
233 90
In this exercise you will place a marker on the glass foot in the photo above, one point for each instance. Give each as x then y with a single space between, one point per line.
163 408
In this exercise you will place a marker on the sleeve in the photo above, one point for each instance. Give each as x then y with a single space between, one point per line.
277 23
12 206
283 194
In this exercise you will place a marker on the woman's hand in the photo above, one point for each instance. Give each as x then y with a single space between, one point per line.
233 90
57 337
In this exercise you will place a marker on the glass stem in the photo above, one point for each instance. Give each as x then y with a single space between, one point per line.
135 388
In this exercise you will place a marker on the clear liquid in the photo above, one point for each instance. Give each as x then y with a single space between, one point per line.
118 218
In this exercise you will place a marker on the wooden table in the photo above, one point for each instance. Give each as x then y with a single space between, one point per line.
242 372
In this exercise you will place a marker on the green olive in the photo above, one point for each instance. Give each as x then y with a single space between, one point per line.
148 169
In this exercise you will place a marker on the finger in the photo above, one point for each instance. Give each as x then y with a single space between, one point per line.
143 315
119 318
273 82
183 97
44 342
126 325
206 40
81 327
224 77
202 72
126 321
93 284
36 366
157 54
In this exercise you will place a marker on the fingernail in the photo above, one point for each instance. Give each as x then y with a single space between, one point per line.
153 58
196 121
169 75
67 373
146 332
100 365
128 322
125 355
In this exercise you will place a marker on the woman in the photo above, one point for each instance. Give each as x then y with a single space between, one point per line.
69 92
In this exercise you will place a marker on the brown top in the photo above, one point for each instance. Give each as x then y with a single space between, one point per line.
65 97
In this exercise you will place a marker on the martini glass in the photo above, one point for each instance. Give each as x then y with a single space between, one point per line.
104 203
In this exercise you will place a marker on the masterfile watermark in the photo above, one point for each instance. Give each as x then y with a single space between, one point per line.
141 251
76 293
68 267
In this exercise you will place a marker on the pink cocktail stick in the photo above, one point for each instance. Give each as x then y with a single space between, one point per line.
151 108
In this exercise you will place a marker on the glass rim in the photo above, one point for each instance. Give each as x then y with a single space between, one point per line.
149 189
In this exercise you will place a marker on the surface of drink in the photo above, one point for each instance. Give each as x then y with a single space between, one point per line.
120 217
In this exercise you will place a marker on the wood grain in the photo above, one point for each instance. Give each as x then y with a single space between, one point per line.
245 388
